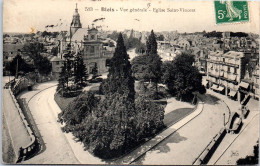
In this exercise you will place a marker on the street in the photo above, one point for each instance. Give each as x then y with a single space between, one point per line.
187 143
58 150
182 147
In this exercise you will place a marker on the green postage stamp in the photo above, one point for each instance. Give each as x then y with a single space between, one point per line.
231 11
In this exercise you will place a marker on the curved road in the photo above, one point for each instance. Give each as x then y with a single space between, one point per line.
58 150
182 147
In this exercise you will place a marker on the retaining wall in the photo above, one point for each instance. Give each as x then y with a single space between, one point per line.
210 148
30 149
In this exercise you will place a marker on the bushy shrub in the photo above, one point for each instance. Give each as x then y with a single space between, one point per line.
149 119
77 110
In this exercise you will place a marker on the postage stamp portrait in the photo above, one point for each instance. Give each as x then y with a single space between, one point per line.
231 11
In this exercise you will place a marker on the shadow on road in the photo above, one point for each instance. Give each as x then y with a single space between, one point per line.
209 99
163 146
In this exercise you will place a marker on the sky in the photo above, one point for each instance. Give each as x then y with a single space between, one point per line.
32 15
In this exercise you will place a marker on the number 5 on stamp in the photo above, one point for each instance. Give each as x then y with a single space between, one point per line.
231 11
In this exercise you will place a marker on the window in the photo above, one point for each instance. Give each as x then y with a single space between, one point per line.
228 69
92 49
92 37
57 63
223 59
235 70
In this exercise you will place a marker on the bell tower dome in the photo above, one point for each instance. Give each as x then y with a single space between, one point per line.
75 24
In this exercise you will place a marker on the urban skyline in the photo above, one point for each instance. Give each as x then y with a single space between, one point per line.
60 14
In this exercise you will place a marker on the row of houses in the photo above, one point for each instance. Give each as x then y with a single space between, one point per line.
227 73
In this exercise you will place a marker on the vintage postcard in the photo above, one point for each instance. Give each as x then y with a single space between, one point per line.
118 82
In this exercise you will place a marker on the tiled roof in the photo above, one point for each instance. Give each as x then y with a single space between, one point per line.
79 35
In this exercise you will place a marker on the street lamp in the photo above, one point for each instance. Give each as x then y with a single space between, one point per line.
224 118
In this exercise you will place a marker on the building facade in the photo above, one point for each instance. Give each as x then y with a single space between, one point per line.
224 73
57 64
94 53
96 50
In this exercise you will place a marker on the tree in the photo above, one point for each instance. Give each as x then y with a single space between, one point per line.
22 66
54 51
120 78
149 119
66 74
160 38
151 44
63 79
181 77
148 67
80 70
78 110
95 71
33 49
43 65
108 132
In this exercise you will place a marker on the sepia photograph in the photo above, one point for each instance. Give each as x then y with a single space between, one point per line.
130 82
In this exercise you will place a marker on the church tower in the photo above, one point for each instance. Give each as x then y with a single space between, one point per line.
75 24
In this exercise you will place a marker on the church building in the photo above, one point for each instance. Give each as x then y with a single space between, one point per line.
96 51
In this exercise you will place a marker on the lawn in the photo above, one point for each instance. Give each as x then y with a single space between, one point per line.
176 115
176 110
63 102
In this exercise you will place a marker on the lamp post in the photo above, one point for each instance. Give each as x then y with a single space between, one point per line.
224 118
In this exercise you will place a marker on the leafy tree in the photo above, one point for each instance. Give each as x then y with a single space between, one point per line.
149 118
63 79
140 48
95 71
181 77
43 65
113 35
148 67
33 49
213 34
109 131
54 51
78 110
66 74
80 70
151 44
120 78
22 65
160 38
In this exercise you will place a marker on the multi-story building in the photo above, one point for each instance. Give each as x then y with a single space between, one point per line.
94 54
224 73
96 51
255 78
